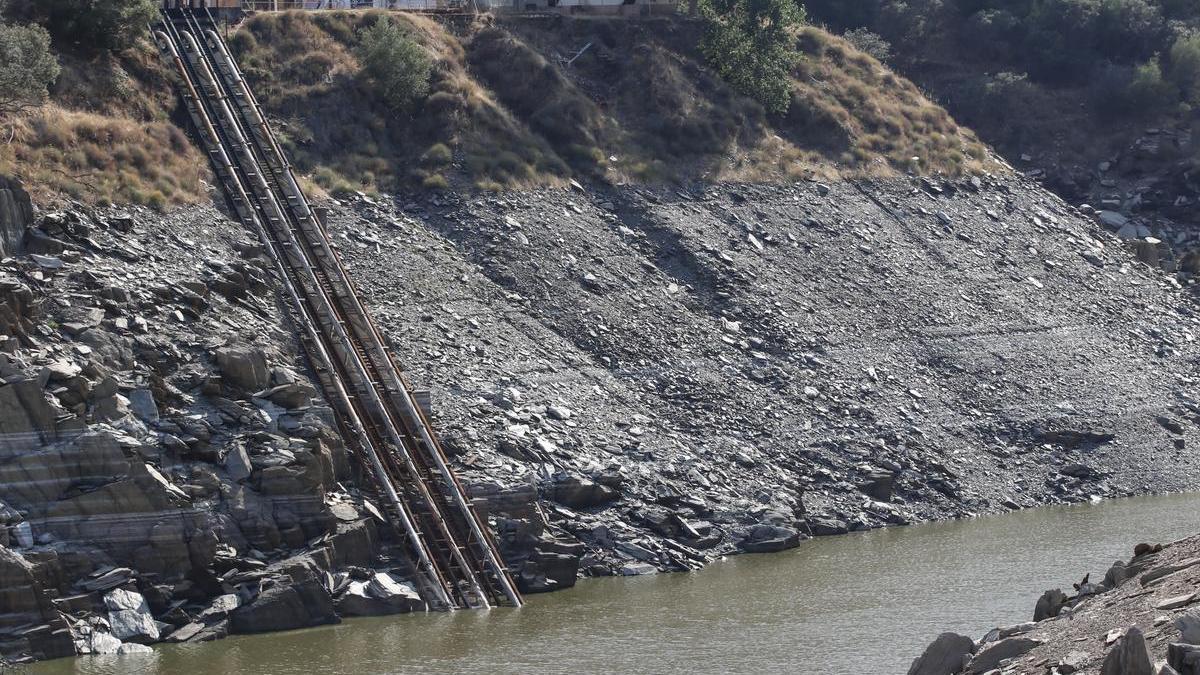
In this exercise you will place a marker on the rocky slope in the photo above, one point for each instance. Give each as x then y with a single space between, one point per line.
631 381
1139 619
161 458
735 367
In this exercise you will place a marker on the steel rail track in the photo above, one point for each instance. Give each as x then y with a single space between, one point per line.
456 560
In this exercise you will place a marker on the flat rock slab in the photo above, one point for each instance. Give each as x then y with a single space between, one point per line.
1177 602
1009 648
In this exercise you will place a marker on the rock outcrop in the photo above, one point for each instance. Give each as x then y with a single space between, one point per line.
16 214
947 655
1141 621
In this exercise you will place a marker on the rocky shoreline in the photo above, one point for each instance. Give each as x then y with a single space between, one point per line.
631 381
1140 619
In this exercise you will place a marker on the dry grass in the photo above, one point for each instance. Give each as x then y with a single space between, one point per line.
106 137
875 118
342 135
61 153
503 112
640 106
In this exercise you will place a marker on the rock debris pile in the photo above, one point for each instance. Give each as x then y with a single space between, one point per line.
167 469
654 379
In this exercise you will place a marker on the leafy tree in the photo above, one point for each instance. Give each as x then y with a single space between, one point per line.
91 24
396 64
1185 66
991 33
1128 30
751 44
27 67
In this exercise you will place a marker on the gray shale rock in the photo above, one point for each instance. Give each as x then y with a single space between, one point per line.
1049 605
244 369
767 538
946 655
1184 658
129 616
990 657
1189 627
581 493
383 594
285 607
1129 655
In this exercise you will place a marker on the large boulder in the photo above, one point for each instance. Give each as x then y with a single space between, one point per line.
990 657
1130 655
1184 658
383 594
545 571
129 616
289 389
581 493
244 369
768 538
355 543
947 655
824 527
1189 627
1049 605
285 607
879 485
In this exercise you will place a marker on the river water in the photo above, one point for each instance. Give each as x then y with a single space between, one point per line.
861 604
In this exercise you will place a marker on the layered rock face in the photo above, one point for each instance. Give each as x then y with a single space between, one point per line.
16 214
157 440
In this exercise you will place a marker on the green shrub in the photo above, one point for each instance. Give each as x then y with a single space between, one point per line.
437 155
435 181
27 67
397 66
750 43
1185 66
92 24
1149 87
1123 91
871 43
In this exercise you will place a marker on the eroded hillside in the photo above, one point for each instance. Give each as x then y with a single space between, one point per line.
107 135
506 109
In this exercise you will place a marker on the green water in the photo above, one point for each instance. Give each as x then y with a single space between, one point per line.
861 604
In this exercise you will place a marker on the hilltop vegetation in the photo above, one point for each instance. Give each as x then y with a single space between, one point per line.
504 110
1070 78
375 101
91 117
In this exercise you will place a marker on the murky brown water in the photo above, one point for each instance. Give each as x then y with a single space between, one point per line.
862 604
